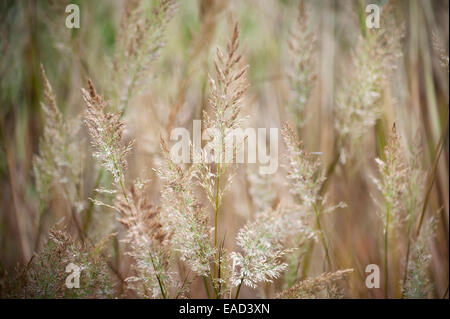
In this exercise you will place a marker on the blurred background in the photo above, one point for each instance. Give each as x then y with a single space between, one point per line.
416 99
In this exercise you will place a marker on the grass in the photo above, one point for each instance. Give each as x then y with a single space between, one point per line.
86 174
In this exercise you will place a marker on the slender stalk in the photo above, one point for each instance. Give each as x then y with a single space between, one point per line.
88 216
329 172
432 175
361 16
205 282
408 249
161 287
307 259
239 289
386 247
405 273
322 237
216 217
445 293
332 166
159 279
123 189
180 290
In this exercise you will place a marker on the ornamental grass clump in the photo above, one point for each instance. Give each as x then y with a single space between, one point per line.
45 276
401 184
106 131
147 240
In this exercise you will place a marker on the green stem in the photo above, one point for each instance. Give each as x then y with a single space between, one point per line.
123 189
205 282
90 208
214 286
159 279
362 21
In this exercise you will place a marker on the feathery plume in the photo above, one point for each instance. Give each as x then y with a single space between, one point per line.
401 186
305 178
304 169
262 190
45 274
226 94
261 242
418 284
393 183
184 217
106 132
60 157
358 103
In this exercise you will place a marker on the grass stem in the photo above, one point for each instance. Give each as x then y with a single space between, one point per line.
322 237
216 218
386 253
